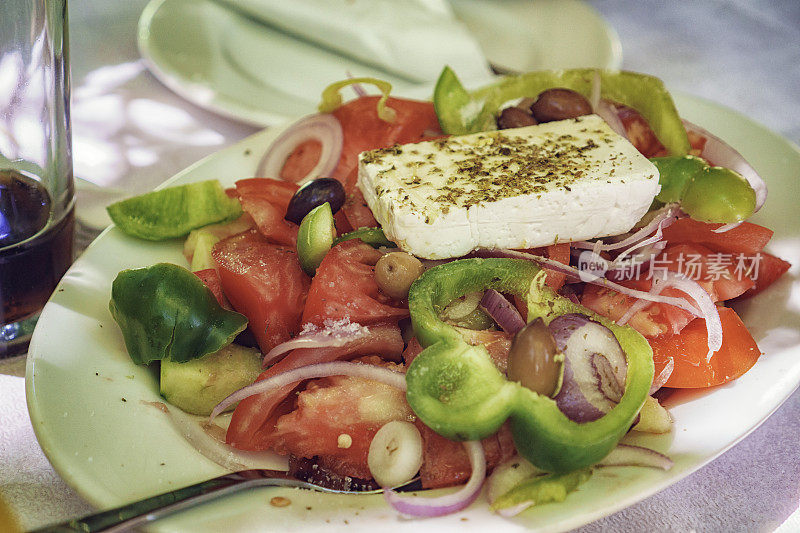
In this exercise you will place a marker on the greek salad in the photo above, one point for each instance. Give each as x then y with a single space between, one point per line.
488 289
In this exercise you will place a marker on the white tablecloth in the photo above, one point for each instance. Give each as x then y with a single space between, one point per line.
131 133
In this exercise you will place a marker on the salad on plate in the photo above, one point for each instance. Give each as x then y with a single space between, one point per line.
490 289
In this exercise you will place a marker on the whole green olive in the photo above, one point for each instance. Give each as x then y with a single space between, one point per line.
395 272
534 359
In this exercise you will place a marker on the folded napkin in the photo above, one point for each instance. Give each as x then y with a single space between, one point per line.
413 39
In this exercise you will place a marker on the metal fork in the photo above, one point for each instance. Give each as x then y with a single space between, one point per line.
150 509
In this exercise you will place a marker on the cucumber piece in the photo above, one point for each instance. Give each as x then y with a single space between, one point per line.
315 237
175 211
200 384
204 241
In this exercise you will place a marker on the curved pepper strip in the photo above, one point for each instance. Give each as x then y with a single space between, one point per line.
456 390
461 111
706 193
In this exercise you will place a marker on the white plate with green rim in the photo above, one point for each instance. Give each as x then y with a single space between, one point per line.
245 70
89 403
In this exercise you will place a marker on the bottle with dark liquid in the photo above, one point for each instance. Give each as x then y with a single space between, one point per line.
35 250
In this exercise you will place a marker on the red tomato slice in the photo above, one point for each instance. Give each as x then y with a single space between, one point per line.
344 287
265 283
254 418
766 270
266 200
738 354
301 161
747 238
357 212
717 272
340 405
639 132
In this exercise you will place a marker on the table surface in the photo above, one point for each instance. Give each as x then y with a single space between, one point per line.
131 133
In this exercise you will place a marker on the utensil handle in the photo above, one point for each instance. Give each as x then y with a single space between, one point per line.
144 511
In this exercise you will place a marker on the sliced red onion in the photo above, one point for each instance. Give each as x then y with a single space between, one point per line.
595 367
321 370
594 95
708 310
334 334
357 88
636 263
638 305
608 112
728 227
579 275
500 309
419 506
663 218
719 153
628 455
324 128
663 376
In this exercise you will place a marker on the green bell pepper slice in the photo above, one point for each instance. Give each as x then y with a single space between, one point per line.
375 237
166 312
457 391
461 111
706 193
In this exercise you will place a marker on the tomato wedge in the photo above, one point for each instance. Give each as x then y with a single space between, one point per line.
266 200
344 287
738 354
264 282
747 238
254 418
767 270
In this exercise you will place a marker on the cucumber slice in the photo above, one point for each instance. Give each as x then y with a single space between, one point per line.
175 211
197 386
204 241
315 237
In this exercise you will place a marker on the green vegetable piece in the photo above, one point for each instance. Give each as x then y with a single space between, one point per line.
203 244
197 386
315 237
372 236
543 489
457 391
166 312
175 211
706 193
461 111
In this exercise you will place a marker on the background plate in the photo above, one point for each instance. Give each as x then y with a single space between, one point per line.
87 399
245 70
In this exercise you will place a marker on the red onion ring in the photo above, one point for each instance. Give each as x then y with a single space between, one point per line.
628 455
332 336
324 128
500 309
707 307
718 152
320 370
418 506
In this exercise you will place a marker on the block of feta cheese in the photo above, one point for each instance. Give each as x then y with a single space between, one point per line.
519 188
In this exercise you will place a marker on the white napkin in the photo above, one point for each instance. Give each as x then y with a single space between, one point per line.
410 38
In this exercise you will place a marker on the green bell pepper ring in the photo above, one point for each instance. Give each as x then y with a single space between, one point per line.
461 111
706 193
457 391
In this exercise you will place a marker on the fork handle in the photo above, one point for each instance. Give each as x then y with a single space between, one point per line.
143 511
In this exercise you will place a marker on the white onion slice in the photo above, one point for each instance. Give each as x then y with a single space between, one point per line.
500 309
628 455
419 506
663 376
663 218
321 370
719 153
727 227
395 453
608 112
324 128
333 335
